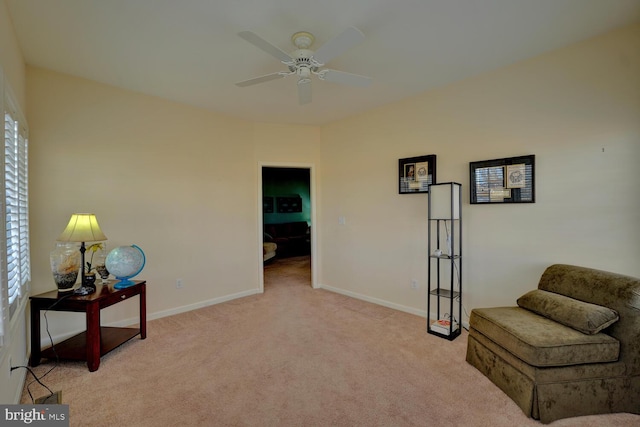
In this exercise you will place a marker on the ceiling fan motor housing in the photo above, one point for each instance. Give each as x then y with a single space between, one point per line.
303 59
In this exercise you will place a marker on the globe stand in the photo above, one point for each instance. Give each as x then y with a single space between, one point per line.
124 283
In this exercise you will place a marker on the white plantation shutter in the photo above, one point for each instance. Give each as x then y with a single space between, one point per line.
15 265
11 201
23 209
16 221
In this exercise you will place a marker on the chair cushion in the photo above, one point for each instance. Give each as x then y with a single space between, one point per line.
583 316
269 247
542 342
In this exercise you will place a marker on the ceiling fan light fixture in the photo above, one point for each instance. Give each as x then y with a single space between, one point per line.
304 72
302 39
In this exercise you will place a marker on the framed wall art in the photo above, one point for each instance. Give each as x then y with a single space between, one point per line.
267 204
289 204
508 180
415 174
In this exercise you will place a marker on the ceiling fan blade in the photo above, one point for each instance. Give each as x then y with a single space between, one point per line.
261 79
341 77
304 91
261 43
338 45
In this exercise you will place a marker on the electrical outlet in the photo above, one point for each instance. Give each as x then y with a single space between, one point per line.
179 284
414 284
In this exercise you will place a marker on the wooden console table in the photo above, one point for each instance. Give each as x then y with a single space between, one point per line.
96 341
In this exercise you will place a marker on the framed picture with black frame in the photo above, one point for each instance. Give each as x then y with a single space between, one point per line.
267 204
507 180
289 204
415 174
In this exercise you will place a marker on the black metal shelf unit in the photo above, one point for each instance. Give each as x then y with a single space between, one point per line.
444 277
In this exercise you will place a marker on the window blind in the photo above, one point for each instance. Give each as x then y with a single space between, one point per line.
15 263
12 232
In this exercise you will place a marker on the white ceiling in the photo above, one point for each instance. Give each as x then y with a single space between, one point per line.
189 50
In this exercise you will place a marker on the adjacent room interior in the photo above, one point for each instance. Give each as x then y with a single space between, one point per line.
286 221
228 141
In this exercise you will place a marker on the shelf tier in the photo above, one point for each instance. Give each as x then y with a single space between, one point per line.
74 348
444 256
450 337
445 293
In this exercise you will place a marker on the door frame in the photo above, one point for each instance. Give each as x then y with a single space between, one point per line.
314 222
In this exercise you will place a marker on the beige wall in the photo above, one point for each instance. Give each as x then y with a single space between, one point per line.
11 57
180 182
576 109
14 350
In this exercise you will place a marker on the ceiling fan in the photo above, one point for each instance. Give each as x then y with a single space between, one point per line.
304 62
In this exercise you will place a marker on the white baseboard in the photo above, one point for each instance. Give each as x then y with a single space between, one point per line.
22 379
384 303
185 308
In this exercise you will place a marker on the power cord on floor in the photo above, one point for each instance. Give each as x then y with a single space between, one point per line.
34 380
458 298
465 312
53 348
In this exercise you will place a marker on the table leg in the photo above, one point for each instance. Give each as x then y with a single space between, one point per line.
143 311
93 337
34 360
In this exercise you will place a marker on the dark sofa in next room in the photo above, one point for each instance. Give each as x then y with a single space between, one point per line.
292 238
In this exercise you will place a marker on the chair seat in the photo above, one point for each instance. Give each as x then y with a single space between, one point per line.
268 250
542 342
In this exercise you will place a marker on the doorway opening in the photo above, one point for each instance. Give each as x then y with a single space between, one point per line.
287 217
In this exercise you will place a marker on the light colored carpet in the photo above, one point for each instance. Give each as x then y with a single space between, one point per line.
292 356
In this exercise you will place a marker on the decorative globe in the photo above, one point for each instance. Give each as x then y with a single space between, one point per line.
125 262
